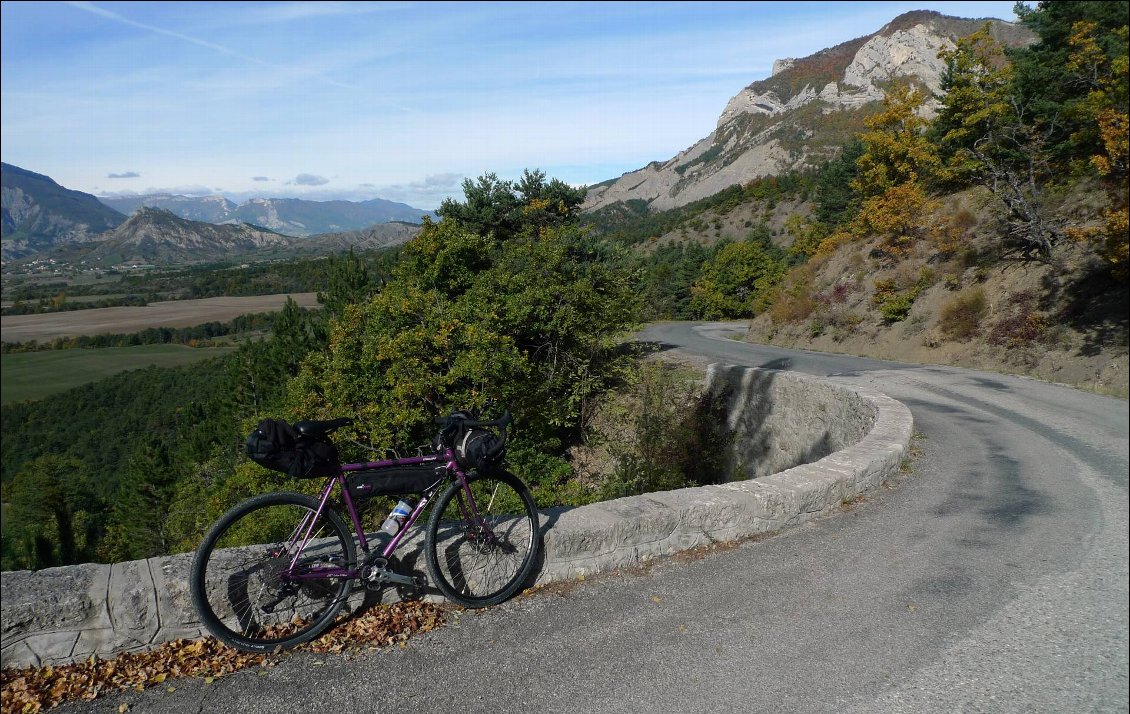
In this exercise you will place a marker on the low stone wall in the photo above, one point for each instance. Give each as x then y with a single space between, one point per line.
808 445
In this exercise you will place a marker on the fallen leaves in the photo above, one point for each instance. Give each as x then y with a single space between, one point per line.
33 689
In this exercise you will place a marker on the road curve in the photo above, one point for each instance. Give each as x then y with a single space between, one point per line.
991 578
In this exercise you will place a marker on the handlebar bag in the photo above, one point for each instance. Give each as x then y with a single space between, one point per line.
277 446
478 449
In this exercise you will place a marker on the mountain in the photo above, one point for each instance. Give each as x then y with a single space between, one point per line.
38 213
210 209
156 236
382 235
802 114
292 216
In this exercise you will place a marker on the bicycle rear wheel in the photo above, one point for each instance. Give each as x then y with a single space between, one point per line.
258 583
482 553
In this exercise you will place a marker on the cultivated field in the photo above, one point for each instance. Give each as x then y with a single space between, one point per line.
35 375
113 320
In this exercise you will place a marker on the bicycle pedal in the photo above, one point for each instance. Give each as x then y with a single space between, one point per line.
379 575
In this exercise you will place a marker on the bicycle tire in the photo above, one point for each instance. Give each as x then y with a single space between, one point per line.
482 564
227 589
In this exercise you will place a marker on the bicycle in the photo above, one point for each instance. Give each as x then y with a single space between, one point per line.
276 570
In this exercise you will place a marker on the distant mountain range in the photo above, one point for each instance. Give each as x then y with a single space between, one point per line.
36 213
43 219
40 217
292 216
803 113
155 236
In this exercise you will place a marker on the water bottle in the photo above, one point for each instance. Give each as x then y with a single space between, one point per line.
396 519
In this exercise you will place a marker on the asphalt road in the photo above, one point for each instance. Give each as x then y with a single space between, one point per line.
991 578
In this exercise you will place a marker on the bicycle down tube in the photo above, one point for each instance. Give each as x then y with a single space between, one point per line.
355 518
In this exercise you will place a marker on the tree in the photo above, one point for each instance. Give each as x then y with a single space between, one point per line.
897 162
348 281
835 199
137 524
53 513
977 103
731 281
493 207
1047 83
471 316
1104 75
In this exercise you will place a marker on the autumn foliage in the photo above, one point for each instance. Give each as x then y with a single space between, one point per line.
32 689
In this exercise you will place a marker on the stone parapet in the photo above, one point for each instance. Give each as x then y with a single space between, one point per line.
809 444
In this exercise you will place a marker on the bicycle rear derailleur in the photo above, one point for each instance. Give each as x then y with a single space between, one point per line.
376 572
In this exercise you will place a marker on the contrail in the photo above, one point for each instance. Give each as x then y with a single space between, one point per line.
101 12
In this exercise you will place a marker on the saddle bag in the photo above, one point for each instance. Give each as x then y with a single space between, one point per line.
277 446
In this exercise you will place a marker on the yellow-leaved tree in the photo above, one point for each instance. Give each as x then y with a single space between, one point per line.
897 162
1105 73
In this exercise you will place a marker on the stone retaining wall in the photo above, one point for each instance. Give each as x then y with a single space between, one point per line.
809 445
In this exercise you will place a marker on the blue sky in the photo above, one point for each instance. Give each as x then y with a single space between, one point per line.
397 100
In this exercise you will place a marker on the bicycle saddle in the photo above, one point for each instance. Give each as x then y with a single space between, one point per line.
312 427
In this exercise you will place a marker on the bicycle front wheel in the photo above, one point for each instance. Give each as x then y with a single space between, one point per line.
481 550
272 572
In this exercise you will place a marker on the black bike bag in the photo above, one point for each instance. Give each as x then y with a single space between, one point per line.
394 480
276 445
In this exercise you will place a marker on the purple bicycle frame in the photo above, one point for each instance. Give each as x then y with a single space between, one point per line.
305 529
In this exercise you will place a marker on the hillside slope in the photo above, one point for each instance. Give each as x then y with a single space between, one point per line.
1066 320
37 213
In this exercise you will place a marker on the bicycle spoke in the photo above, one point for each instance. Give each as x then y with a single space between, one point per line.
255 582
482 549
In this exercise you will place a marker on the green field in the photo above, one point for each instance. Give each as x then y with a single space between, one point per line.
35 375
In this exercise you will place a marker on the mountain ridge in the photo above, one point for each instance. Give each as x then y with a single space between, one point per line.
803 113
37 213
157 236
293 216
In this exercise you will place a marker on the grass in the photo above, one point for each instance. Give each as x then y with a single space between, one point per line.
35 375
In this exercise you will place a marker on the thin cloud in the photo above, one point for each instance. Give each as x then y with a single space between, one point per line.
310 180
260 178
101 12
291 11
124 175
185 190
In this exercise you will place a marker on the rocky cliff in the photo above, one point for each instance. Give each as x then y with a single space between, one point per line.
804 112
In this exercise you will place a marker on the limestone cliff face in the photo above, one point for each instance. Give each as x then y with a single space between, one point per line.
804 111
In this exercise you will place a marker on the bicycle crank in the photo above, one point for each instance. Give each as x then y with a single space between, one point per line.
378 573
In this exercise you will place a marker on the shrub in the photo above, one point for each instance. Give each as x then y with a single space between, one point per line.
961 316
894 296
793 300
1022 325
841 290
678 437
